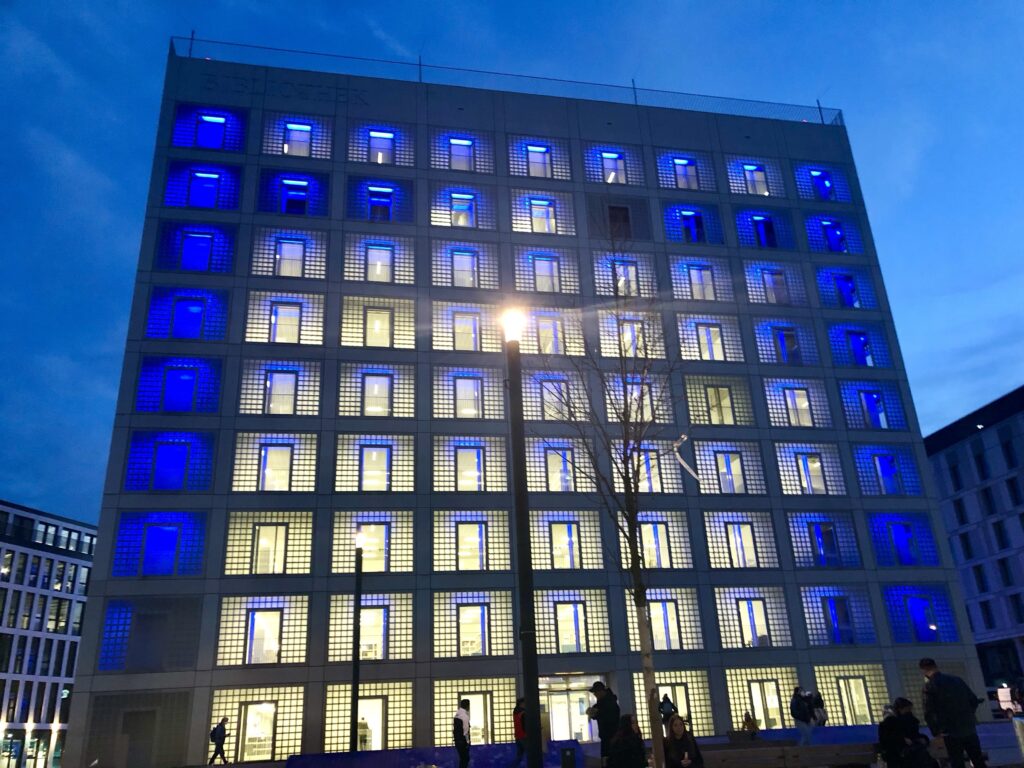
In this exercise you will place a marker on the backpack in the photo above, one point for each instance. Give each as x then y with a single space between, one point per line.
213 736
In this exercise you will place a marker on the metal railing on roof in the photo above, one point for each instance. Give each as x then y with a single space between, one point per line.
267 56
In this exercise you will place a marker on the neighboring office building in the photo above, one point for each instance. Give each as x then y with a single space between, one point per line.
45 561
314 348
977 462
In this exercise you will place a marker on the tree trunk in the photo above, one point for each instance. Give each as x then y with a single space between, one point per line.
643 621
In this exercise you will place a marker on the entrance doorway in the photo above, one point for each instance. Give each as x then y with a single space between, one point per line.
564 700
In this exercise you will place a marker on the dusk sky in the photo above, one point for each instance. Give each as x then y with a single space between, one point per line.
930 93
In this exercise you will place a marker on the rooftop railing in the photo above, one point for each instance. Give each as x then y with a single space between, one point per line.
318 61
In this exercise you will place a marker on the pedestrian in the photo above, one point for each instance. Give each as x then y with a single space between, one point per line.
519 731
750 724
667 709
460 732
626 749
949 707
818 707
680 746
607 714
217 737
803 715
900 740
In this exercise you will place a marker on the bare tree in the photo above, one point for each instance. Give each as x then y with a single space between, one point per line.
628 376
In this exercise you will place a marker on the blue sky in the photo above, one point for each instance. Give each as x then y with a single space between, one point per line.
930 93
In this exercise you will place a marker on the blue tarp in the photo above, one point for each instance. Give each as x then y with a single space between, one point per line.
482 756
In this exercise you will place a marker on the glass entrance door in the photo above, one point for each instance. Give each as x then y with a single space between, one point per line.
564 700
370 725
257 739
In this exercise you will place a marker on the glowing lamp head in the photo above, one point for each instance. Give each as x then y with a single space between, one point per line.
513 321
360 539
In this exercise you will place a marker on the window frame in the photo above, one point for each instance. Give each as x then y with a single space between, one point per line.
387 248
462 207
388 312
580 628
364 378
478 383
266 450
385 151
254 549
718 406
789 396
273 329
804 468
475 318
707 345
250 617
380 202
549 220
755 178
739 557
473 258
573 545
388 451
269 375
483 551
555 276
662 544
469 156
729 471
538 155
180 370
485 628
625 278
293 130
685 173
613 165
562 405
480 452
752 604
568 461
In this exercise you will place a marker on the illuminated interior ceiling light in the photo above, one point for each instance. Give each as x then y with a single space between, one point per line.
757 218
205 175
381 135
536 148
611 155
751 167
212 119
680 161
295 182
461 196
687 213
298 127
461 142
381 189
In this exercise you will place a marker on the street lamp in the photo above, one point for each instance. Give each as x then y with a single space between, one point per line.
514 322
353 715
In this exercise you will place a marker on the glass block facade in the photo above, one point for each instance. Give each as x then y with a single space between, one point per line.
310 362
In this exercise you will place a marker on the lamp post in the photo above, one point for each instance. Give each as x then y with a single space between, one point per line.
357 604
513 322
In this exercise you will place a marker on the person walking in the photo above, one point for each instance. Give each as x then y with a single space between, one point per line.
681 748
667 709
217 737
949 707
900 739
803 715
519 731
460 732
607 714
626 748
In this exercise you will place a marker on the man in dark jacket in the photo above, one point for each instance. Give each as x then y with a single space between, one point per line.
217 736
606 712
801 709
460 732
949 706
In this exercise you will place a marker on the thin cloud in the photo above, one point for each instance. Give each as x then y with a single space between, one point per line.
389 41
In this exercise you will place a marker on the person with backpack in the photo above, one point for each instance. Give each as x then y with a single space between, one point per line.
217 737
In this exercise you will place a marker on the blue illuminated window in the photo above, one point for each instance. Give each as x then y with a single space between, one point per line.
860 348
832 231
179 388
160 549
546 274
873 406
558 464
764 231
187 318
824 544
170 462
787 345
210 131
846 289
463 210
888 473
823 186
460 154
469 468
538 161
756 180
465 269
692 224
382 147
837 620
904 544
613 168
542 216
203 188
380 263
294 196
776 290
922 619
196 251
297 139
380 200
730 472
685 173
